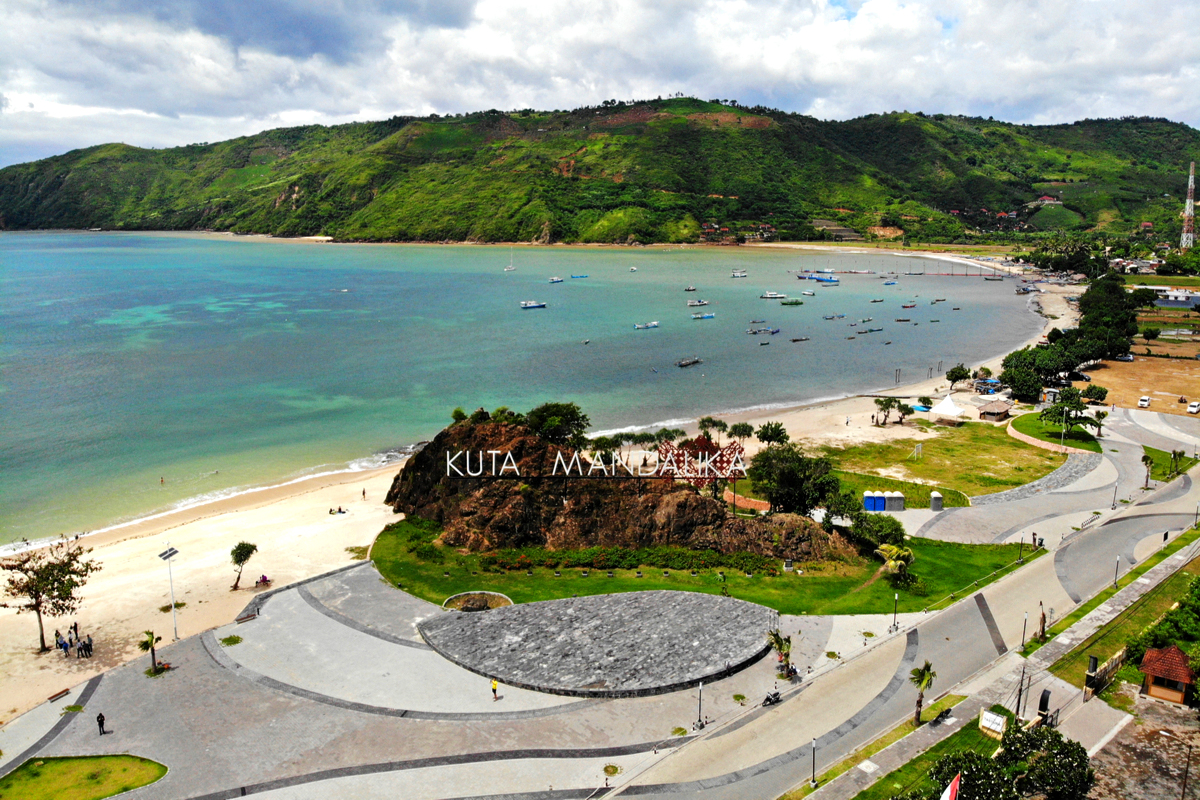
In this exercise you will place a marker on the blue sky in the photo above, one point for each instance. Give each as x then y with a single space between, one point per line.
158 73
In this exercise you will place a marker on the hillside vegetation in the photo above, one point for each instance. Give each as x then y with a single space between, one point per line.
656 171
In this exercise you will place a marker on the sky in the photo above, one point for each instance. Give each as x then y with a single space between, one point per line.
160 73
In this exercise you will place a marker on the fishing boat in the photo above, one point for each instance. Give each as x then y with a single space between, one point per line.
688 362
757 321
903 319
556 280
760 344
993 277
867 319
772 296
829 316
791 303
739 273
808 293
849 337
532 304
879 300
887 343
709 315
690 289
940 300
697 303
827 280
758 331
889 283
908 305
579 276
510 267
646 326
935 320
956 308
801 339
839 316
874 330
633 269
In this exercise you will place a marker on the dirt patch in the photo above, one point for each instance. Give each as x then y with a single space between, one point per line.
478 601
1142 764
1164 380
886 233
728 119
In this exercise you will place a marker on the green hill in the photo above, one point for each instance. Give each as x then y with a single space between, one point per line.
654 171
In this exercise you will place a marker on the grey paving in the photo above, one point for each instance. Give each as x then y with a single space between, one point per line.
615 645
374 606
1076 466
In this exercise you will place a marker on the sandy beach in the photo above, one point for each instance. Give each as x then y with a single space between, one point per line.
298 538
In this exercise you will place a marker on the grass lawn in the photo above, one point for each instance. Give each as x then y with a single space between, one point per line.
1161 469
916 495
891 737
912 776
1112 637
79 778
1086 608
975 458
822 588
1163 280
1030 425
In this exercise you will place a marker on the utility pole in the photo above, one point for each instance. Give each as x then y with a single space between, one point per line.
1020 690
1024 625
1188 239
1116 572
167 555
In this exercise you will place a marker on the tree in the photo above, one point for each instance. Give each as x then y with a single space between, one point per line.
956 374
885 406
896 558
45 581
1150 334
1148 463
782 645
720 426
458 415
922 678
844 505
982 778
925 400
773 433
1046 763
741 431
705 425
146 645
877 529
240 554
790 481
1069 411
669 434
1095 392
904 411
1025 383
559 423
983 372
1100 417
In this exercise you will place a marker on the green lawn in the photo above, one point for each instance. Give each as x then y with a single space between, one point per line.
1030 425
1163 280
974 458
912 776
822 588
1112 637
79 778
1161 469
916 495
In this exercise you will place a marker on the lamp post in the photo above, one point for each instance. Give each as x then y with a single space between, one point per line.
1024 625
167 555
1187 764
895 611
1062 438
1114 502
700 708
1116 571
813 782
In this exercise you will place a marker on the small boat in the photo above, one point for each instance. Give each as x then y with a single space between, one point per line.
880 300
587 341
940 300
510 267
739 273
903 319
874 330
956 308
849 337
801 339
791 303
709 315
757 321
935 320
808 293
556 280
772 296
839 316
690 289
889 283
688 362
757 331
532 304
993 277
886 343
760 344
828 316
867 319
697 303
633 269
579 276
908 305
646 326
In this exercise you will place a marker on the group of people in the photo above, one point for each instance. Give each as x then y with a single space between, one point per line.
82 647
340 510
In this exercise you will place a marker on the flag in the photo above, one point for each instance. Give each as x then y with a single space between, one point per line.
951 792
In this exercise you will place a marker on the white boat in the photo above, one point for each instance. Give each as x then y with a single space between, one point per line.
772 296
695 303
532 304
556 279
709 315
807 293
690 289
739 273
510 267
646 326
633 269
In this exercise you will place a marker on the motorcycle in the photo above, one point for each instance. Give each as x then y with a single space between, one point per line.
771 699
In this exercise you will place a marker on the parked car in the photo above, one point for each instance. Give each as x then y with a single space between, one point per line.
1125 357
1194 407
1079 376
1144 402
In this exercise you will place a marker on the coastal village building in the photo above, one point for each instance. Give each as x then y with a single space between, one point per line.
995 411
1168 676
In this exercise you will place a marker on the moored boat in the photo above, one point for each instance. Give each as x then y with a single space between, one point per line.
800 339
689 362
556 279
739 273
532 304
791 303
772 296
903 319
579 276
880 300
646 325
908 305
709 315
889 283
808 293
690 289
697 303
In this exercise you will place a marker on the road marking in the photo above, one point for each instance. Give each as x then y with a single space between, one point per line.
990 622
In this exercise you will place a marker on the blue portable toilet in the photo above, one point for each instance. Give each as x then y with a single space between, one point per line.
868 501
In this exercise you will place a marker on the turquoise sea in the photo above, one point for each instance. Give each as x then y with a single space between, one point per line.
220 363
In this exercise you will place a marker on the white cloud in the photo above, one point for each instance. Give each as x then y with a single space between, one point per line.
176 72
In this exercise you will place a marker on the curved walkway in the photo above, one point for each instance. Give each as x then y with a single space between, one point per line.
1076 467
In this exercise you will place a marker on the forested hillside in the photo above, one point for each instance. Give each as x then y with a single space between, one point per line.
658 171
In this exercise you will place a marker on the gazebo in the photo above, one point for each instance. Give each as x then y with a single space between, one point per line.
1167 674
995 411
946 412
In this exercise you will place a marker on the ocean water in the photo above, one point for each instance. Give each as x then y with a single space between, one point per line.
220 363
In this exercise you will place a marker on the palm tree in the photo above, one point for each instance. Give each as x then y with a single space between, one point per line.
706 424
1148 463
146 645
896 559
776 639
741 431
720 426
1100 417
922 678
785 651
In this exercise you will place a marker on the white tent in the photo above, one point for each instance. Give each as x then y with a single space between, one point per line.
946 408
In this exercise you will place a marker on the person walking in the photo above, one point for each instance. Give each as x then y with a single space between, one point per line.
364 494
495 686
75 627
100 722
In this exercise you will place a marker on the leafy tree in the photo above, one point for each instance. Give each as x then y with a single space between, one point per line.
669 434
239 555
705 425
904 411
925 400
1095 392
1069 411
458 415
741 431
1025 384
843 505
885 406
877 529
1045 763
789 480
146 645
560 423
922 678
983 372
896 558
720 426
982 777
45 581
1100 417
957 373
1142 298
643 439
773 433
1150 334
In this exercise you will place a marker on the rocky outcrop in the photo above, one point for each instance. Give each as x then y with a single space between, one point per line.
489 511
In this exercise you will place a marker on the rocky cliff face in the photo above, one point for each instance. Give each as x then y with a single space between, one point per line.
490 512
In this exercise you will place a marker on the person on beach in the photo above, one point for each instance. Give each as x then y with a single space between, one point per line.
100 722
161 481
89 646
495 686
75 625
364 494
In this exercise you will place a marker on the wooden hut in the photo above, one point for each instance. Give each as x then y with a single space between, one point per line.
995 411
1167 674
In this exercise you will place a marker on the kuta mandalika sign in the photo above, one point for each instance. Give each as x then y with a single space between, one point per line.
698 462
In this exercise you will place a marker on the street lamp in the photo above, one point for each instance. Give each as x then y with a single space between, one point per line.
813 782
895 612
700 708
167 555
1024 625
1116 571
1187 764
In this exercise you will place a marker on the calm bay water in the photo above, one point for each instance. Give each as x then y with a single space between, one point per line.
220 363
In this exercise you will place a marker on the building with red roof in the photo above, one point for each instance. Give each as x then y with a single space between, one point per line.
1168 675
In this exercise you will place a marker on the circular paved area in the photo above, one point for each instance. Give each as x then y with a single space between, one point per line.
612 645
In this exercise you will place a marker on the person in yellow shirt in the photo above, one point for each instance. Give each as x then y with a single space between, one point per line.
495 685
